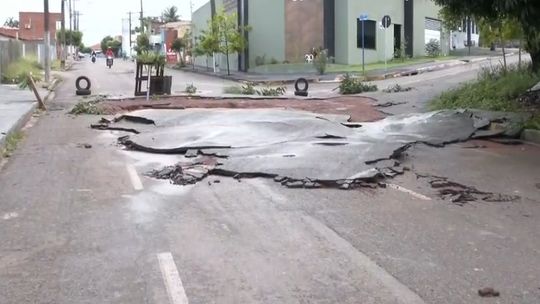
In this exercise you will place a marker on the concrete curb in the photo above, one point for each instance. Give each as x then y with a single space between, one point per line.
21 122
531 135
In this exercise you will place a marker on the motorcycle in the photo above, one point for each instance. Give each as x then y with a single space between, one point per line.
93 58
109 61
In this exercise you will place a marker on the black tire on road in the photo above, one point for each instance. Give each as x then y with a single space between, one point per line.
305 85
78 83
83 92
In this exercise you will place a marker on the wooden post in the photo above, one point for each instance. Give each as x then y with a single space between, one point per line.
32 85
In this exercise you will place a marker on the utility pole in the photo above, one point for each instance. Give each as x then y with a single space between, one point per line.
142 16
63 50
130 41
70 28
47 42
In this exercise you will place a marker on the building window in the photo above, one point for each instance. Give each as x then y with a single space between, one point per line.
370 34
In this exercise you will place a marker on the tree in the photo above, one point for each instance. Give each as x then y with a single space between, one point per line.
178 46
11 22
501 31
105 43
208 44
525 12
115 45
170 14
72 37
229 36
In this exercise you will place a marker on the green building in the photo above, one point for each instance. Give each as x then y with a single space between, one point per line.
286 30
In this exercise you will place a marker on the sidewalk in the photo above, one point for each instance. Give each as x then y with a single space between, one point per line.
377 74
16 107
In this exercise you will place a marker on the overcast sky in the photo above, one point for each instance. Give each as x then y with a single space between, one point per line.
99 18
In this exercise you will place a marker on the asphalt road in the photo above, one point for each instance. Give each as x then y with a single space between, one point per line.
85 225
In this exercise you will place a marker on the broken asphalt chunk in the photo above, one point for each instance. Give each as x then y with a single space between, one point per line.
488 292
191 153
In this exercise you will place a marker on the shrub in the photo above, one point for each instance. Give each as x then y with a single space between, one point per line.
400 52
321 61
152 58
496 89
260 60
351 85
271 91
433 48
248 88
18 71
87 107
273 61
191 89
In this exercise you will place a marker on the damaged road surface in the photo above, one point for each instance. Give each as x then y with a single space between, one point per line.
297 149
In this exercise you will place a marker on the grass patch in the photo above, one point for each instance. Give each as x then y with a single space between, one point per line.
248 88
495 90
533 123
235 90
11 143
289 68
17 71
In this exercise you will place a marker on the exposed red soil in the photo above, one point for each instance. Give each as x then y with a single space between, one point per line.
360 109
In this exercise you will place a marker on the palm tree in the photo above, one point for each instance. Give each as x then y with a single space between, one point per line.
170 14
11 22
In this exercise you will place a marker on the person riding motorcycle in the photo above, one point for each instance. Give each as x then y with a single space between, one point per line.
110 55
93 56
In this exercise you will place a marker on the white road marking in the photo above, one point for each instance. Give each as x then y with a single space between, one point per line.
171 278
402 294
10 215
134 177
405 190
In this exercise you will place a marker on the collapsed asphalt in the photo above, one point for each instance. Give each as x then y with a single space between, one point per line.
299 149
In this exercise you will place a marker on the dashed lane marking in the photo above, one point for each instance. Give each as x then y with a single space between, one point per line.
134 177
171 279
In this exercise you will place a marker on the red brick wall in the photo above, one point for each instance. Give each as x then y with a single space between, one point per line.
36 24
170 36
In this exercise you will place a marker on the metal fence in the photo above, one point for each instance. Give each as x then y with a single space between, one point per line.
11 50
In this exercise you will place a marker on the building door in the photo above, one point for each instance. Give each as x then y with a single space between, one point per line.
397 39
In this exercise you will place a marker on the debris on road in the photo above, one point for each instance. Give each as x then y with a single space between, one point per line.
488 292
88 106
396 89
389 104
460 194
86 146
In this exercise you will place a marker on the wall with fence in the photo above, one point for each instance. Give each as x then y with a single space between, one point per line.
11 50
